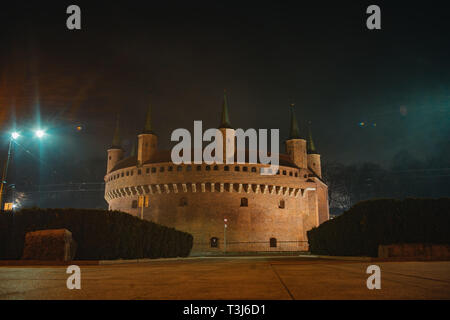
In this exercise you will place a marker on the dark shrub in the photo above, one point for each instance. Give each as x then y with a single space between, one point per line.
360 230
100 234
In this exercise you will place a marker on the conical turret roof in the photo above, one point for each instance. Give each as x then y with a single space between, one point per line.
133 149
311 148
116 143
294 133
225 121
148 129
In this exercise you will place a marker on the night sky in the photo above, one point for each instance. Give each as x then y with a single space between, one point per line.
181 55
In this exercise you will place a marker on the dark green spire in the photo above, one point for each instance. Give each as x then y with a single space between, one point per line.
148 121
310 143
116 139
225 119
295 131
133 149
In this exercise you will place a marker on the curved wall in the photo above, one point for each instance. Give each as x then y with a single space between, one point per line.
197 198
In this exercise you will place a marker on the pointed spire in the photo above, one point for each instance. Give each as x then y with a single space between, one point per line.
116 143
311 148
133 149
225 123
295 131
148 121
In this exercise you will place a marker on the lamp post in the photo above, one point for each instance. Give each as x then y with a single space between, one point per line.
225 236
14 136
39 133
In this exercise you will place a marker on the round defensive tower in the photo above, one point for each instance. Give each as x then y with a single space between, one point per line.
262 212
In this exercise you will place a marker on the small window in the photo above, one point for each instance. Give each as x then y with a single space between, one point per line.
245 169
128 173
161 169
214 242
147 170
122 174
290 173
284 172
189 168
296 174
139 171
183 202
199 168
244 202
179 168
134 204
216 168
208 168
278 172
170 168
109 157
273 242
281 204
131 172
226 168
305 176
236 168
153 169
253 169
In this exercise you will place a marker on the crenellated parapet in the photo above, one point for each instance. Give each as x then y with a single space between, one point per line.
209 187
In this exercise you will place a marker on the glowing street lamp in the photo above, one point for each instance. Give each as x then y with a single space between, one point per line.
40 133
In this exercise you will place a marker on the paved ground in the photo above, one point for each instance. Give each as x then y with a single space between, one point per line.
231 278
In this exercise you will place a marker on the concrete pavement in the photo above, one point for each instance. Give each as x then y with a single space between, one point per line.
231 278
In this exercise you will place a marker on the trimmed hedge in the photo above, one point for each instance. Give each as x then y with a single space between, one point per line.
100 234
359 231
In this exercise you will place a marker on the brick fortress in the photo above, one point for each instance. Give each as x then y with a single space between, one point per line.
263 212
